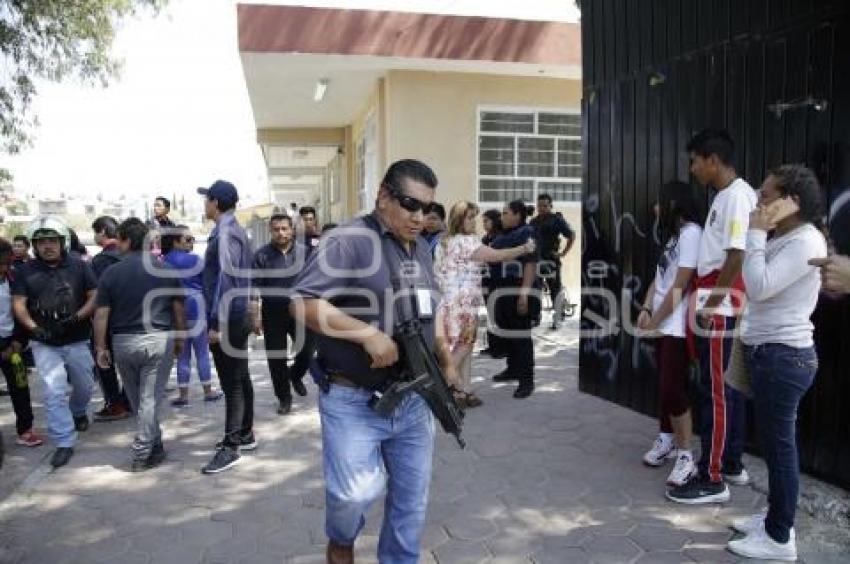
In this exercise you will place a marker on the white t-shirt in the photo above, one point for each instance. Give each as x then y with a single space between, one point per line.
726 225
678 253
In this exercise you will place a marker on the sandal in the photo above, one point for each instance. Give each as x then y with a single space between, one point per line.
459 397
472 400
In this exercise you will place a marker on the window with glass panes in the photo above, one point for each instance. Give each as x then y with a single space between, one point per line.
523 153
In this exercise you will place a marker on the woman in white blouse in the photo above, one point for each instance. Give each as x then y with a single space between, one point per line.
782 292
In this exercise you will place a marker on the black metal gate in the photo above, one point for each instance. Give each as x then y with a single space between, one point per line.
776 74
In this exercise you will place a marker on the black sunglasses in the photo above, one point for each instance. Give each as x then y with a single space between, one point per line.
409 203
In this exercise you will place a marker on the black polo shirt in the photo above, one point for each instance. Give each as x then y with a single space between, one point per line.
349 270
56 292
275 271
139 297
549 230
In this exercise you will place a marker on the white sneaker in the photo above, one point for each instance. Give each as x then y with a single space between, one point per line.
662 449
759 545
684 469
750 524
741 479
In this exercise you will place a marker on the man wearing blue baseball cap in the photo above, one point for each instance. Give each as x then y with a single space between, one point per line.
226 288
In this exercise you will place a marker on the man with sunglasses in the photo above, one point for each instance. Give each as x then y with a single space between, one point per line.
342 295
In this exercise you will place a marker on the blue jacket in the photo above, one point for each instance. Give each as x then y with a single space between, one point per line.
227 272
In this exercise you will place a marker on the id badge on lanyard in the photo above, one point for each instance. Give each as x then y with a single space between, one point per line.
423 303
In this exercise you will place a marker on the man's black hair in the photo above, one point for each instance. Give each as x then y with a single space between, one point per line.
304 210
222 207
280 217
165 202
411 169
545 198
134 230
713 142
23 239
800 181
107 225
439 209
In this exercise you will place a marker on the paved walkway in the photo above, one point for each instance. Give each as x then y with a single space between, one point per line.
555 478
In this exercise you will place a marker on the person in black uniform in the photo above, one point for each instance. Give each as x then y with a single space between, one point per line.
275 267
550 228
517 299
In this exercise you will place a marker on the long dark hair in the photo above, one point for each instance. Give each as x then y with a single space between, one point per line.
678 202
495 217
519 208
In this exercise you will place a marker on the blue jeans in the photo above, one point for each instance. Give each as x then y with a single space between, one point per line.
781 375
722 408
200 343
57 366
362 453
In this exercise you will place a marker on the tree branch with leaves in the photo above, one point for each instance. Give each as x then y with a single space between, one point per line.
54 40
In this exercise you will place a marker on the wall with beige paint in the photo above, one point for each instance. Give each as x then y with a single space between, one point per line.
433 117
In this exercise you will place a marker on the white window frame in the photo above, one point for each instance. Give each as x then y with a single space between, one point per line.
367 190
535 179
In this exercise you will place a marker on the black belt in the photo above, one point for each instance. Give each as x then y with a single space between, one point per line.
340 380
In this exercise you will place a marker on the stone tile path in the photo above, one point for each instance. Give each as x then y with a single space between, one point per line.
555 478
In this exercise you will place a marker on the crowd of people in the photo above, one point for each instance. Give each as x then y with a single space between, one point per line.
733 291
124 317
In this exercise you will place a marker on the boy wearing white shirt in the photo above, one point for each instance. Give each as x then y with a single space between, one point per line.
717 301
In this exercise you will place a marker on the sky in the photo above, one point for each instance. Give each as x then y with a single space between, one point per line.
179 116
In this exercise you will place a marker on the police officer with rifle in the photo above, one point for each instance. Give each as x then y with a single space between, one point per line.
369 293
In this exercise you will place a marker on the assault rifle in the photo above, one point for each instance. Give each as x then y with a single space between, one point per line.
419 372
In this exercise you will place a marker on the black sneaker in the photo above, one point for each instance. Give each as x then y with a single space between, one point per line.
153 459
299 387
698 491
224 458
61 456
81 423
524 390
247 442
157 455
285 406
737 478
505 376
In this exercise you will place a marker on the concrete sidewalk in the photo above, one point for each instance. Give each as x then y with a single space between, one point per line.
554 478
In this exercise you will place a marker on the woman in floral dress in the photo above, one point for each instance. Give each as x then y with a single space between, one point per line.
459 266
